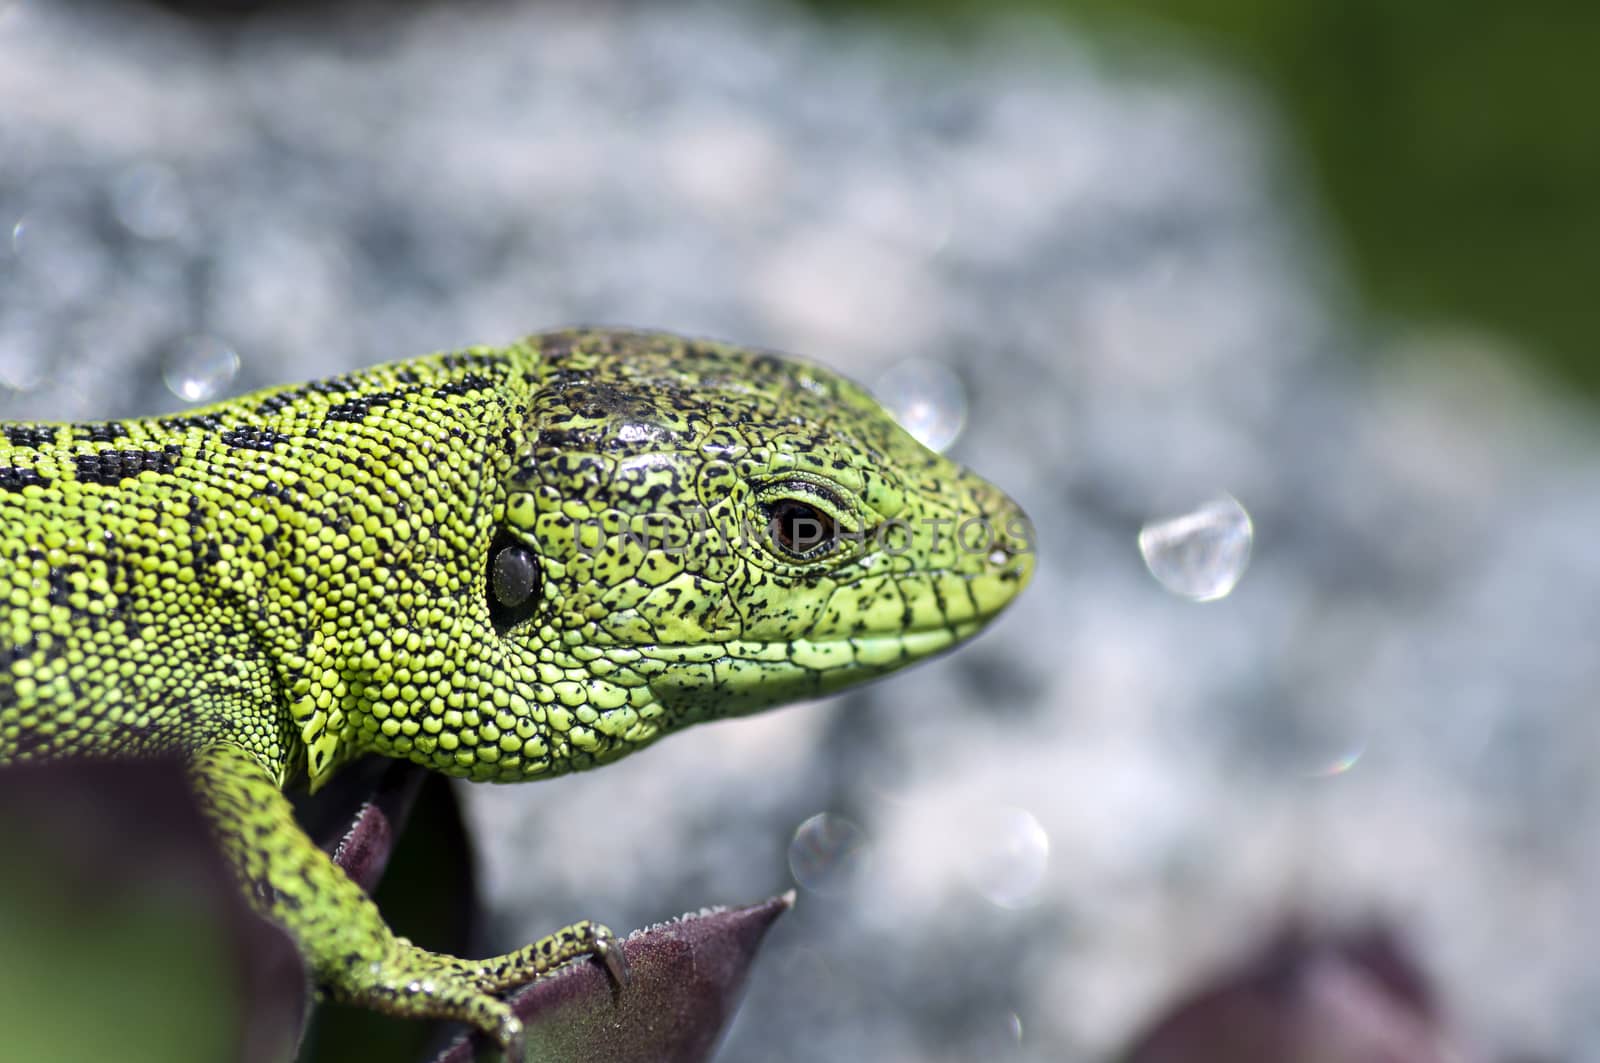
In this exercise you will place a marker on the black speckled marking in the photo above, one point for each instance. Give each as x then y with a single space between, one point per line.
60 584
354 411
248 438
105 432
111 467
473 360
15 479
467 385
288 398
205 421
30 435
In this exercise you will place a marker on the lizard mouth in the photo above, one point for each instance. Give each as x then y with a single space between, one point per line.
887 649
845 655
819 662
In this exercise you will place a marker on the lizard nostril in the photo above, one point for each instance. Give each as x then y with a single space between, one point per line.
1009 553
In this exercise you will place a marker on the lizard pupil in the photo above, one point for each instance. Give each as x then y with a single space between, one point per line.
513 583
800 529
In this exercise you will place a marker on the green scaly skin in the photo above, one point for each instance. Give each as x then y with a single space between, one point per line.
278 583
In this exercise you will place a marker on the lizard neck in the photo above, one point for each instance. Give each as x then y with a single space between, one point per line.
370 586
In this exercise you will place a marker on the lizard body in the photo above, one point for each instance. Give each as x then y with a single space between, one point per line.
502 564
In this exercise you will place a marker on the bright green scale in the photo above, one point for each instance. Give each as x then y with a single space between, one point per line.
502 564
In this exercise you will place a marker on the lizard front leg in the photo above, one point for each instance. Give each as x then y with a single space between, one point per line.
352 953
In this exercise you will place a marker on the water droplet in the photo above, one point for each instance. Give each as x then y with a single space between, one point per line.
1315 738
199 368
149 201
1340 763
1202 554
828 852
928 400
1010 856
58 249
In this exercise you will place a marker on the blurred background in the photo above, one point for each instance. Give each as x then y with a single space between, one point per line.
1312 277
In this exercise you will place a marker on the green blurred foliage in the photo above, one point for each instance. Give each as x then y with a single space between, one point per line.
123 935
145 978
1455 144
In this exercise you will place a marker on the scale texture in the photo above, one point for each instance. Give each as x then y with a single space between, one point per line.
502 564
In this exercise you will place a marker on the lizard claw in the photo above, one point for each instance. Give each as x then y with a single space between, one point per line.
609 951
513 1046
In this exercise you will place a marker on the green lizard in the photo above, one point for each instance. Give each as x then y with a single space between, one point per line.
502 564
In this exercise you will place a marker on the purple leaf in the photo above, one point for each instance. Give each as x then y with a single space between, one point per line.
358 817
685 982
398 822
1308 997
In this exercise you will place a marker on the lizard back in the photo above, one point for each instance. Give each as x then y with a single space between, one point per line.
151 565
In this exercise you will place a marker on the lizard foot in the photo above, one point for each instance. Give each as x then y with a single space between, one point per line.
413 982
522 966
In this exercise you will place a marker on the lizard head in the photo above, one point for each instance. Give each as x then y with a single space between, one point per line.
695 530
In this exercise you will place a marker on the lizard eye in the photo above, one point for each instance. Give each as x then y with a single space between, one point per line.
800 530
513 583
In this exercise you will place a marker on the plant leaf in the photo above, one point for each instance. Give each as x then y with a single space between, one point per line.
686 979
427 893
357 818
1308 996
